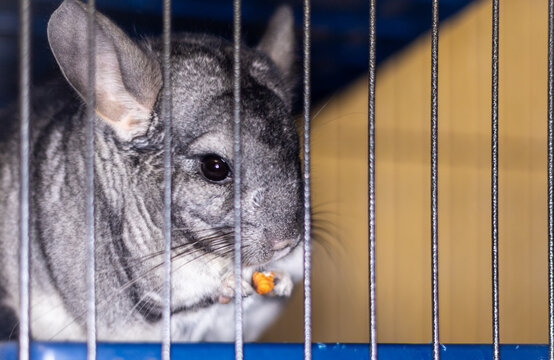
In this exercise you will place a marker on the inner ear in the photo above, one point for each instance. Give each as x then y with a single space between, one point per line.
127 77
278 41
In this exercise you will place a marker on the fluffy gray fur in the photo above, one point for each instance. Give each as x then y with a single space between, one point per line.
129 185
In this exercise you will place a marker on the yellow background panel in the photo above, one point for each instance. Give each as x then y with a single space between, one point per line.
403 190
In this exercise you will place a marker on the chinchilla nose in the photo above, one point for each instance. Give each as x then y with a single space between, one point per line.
279 239
278 214
279 244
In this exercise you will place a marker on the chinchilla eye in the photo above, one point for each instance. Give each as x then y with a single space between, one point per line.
214 168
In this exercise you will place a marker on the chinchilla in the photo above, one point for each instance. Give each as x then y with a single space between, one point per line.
129 163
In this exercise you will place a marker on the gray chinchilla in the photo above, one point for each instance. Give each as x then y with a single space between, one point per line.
129 184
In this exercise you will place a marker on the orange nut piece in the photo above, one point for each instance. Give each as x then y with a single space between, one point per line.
263 282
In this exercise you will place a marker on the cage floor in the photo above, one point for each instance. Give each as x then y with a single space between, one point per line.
268 351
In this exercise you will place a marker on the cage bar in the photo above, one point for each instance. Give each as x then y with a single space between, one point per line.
494 181
307 190
237 151
371 179
435 177
89 186
24 113
550 182
166 116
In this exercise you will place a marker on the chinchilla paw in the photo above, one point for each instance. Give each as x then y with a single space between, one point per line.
227 290
283 284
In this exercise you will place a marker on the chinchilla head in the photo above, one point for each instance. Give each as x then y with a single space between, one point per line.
128 93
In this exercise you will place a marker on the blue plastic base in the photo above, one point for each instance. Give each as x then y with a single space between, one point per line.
268 351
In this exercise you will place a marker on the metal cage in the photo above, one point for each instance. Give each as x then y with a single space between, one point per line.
27 349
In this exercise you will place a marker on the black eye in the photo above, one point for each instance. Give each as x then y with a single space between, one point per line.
214 168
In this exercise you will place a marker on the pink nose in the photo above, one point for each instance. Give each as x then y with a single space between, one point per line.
281 244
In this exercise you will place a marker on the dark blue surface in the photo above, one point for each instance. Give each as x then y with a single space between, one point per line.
339 31
269 351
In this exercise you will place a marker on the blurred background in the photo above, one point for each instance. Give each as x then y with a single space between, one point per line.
339 140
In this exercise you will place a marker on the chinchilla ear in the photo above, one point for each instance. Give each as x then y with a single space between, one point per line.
278 41
127 80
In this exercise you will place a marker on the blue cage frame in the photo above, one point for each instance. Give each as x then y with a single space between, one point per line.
270 351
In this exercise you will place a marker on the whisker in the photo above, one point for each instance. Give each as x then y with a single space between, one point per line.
134 260
322 204
141 276
339 117
323 107
323 229
133 281
324 222
136 307
325 244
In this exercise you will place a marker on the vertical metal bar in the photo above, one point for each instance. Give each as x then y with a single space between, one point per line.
237 182
24 113
307 191
494 181
166 116
435 176
89 180
550 180
371 179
